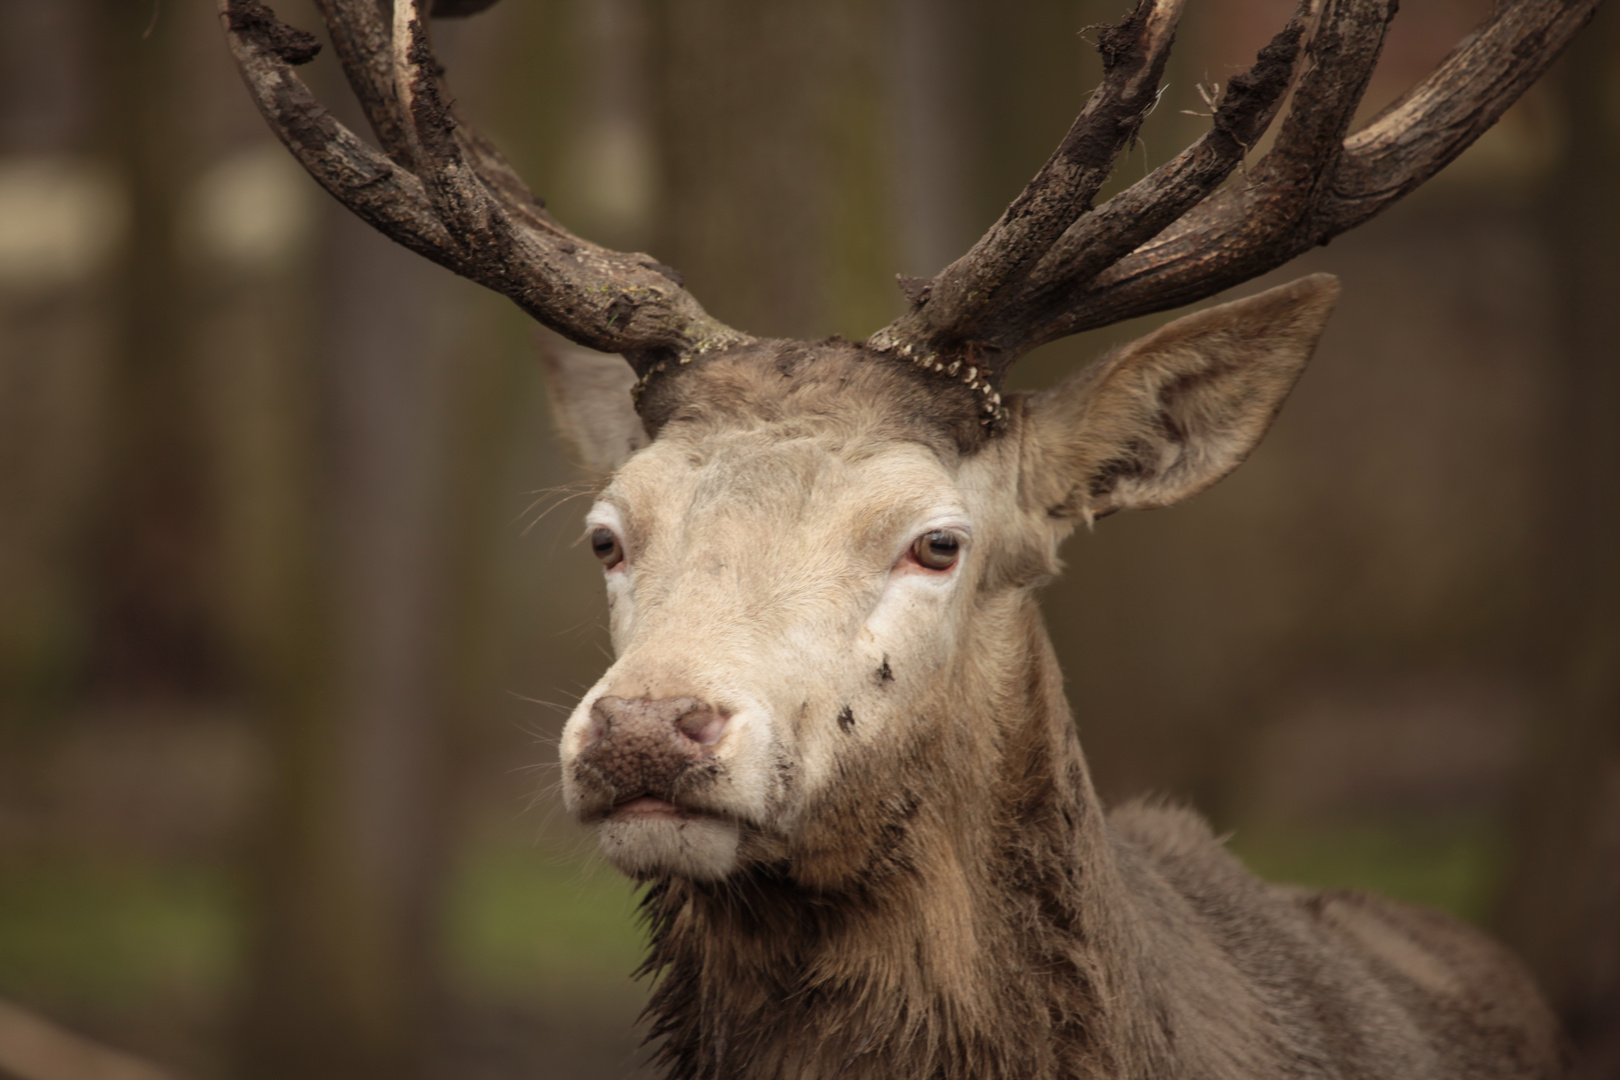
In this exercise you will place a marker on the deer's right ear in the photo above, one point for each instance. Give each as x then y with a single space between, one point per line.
1170 414
591 402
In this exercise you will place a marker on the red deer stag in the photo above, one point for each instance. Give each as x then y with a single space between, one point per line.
834 741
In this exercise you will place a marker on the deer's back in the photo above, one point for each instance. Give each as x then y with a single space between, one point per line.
1327 984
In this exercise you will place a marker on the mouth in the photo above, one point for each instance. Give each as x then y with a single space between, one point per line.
650 808
646 808
648 835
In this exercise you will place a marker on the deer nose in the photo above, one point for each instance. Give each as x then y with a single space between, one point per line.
643 720
643 745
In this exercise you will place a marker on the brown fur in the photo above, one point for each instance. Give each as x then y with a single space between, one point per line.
1131 945
803 385
955 904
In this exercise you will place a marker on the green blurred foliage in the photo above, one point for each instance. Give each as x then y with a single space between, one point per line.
117 932
540 919
1454 865
535 919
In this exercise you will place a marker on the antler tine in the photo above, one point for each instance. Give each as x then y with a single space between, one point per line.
1279 191
455 200
360 36
966 293
1440 117
364 40
1248 229
384 195
1247 107
428 127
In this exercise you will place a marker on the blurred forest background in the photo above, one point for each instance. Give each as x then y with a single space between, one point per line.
290 615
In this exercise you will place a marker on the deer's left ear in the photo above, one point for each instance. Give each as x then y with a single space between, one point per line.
591 402
1172 413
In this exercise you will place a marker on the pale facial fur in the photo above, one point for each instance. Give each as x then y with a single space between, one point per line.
782 653
775 580
845 765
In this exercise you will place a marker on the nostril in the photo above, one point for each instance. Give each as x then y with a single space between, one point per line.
601 723
620 726
703 726
596 732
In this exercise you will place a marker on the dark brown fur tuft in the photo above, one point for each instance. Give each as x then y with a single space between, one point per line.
769 381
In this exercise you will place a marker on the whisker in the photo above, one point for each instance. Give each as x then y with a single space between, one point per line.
562 497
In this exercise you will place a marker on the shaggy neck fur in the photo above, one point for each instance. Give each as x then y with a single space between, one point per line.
977 931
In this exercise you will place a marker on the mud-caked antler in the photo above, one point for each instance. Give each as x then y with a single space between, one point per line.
1053 265
441 189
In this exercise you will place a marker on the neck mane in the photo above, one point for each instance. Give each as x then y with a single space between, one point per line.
996 943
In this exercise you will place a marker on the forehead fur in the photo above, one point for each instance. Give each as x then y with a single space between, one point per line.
828 388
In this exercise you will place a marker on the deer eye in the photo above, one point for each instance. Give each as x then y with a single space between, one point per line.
937 550
606 546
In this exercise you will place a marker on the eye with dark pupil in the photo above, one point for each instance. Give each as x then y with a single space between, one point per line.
606 546
936 550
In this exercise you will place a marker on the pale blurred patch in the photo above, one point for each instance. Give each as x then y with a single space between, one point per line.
614 176
33 1048
61 220
1518 151
1438 746
253 211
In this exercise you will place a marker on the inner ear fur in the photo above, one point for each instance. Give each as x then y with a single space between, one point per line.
592 404
1173 412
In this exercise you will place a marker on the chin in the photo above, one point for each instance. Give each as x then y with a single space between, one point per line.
700 848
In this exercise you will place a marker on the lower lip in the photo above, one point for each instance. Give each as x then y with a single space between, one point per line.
648 808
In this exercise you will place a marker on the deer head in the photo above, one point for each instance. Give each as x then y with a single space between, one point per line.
820 557
817 577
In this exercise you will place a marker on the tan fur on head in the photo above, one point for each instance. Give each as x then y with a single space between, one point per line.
853 783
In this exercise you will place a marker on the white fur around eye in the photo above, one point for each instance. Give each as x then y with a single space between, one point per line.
620 595
914 609
605 515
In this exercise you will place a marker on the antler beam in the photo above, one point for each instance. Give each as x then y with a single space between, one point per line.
1172 238
442 190
1052 265
1134 52
1231 238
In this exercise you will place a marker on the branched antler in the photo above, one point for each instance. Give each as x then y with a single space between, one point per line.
1173 238
1052 265
442 190
969 290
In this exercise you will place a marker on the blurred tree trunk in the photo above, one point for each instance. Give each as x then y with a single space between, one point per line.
1562 909
735 104
155 629
52 323
364 654
772 169
345 908
932 48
